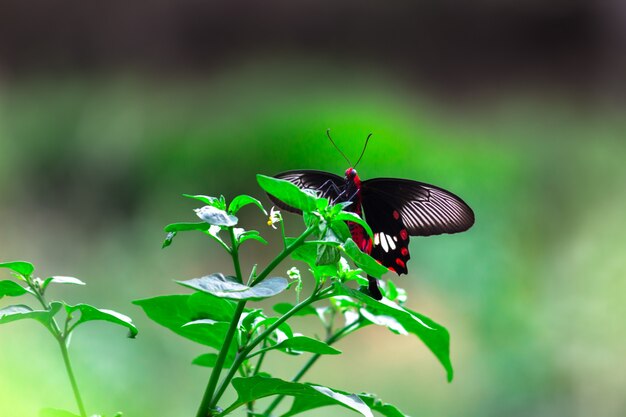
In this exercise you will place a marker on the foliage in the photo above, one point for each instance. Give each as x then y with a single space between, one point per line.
61 328
218 314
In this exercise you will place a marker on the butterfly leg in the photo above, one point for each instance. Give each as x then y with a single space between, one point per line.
373 289
329 185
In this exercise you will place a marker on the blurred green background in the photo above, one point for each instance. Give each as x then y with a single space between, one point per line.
109 113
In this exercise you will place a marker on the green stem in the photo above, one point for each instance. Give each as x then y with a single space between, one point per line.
61 337
209 399
206 403
241 356
330 340
70 374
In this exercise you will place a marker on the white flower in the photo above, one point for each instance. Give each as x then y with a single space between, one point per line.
294 273
275 217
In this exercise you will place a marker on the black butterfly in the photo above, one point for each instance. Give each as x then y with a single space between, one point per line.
394 209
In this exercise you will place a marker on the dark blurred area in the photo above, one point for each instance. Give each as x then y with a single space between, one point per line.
458 48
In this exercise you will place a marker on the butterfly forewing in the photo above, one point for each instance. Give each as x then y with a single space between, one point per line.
425 209
325 184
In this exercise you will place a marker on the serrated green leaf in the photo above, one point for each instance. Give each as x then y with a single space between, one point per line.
434 336
216 217
61 280
21 312
307 344
223 286
368 264
90 313
306 396
209 360
23 268
288 193
242 201
186 226
174 311
53 412
355 218
11 289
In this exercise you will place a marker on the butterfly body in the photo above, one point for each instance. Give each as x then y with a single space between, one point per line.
394 209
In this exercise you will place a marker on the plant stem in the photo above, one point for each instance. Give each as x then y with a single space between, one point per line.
330 340
61 337
70 374
241 356
209 399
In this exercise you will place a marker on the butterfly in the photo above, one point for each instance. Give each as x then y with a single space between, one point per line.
394 208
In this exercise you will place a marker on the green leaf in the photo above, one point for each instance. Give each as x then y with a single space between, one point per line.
434 336
307 344
61 280
391 290
250 234
25 269
282 328
282 308
340 230
355 218
174 311
211 201
368 264
376 404
327 255
216 217
185 226
307 252
91 313
209 359
288 193
168 239
306 396
223 286
52 412
11 289
20 312
243 200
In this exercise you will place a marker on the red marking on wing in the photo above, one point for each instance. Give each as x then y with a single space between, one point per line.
404 251
396 215
391 269
400 263
404 234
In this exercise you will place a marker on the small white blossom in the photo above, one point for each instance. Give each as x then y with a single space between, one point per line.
275 217
294 273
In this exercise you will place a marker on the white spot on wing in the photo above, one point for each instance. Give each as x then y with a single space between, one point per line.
383 242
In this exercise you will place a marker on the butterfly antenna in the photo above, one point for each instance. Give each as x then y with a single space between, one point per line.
337 147
363 151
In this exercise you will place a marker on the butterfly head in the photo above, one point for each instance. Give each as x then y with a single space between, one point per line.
352 176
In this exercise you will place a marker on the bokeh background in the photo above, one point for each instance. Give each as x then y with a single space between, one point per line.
110 111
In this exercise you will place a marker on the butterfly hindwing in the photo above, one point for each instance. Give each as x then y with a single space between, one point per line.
391 239
425 209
